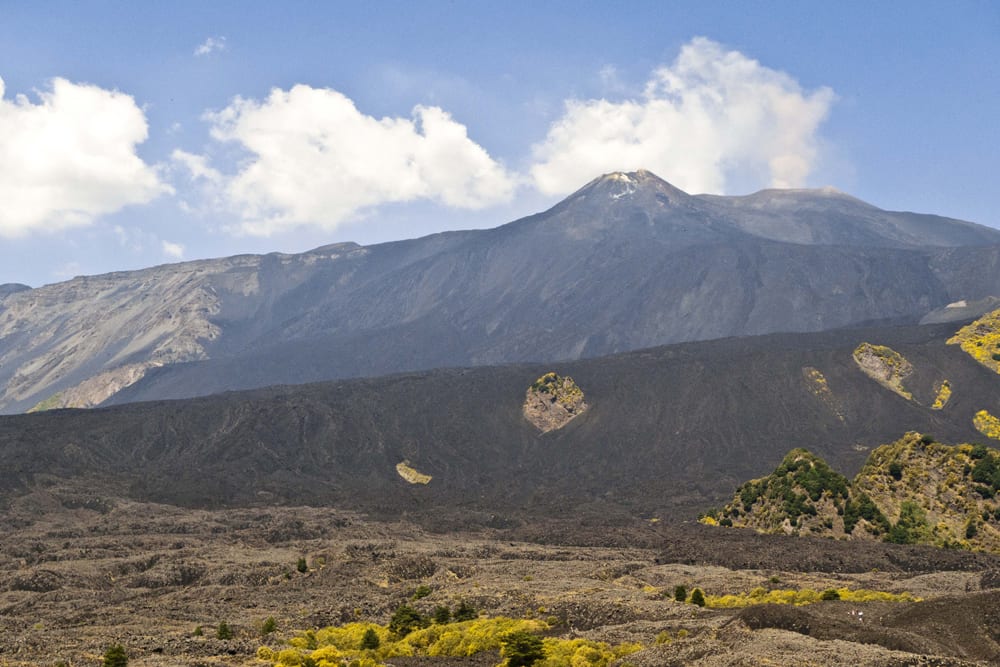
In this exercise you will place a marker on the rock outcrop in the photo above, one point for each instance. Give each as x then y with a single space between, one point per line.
552 402
886 366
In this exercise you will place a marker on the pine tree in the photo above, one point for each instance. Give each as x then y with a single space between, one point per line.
522 649
370 640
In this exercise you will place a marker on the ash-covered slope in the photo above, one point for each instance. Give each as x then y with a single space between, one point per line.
626 262
665 429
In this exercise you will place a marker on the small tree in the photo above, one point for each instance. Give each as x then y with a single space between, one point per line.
224 631
522 649
680 593
697 597
405 620
465 612
115 656
370 640
442 615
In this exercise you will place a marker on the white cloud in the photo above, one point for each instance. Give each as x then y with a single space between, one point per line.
196 165
211 45
711 117
317 160
70 158
172 250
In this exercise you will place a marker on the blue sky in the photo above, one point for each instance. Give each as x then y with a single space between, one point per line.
138 133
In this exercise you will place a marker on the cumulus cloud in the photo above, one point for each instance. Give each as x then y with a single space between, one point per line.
710 117
210 45
172 250
70 158
315 159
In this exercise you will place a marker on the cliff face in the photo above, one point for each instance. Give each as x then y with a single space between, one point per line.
627 262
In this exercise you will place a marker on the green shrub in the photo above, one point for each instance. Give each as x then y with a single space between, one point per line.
421 591
830 594
301 565
224 631
863 507
912 526
442 615
697 597
680 593
464 612
115 656
268 626
896 470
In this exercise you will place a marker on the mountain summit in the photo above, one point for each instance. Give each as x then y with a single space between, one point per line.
626 262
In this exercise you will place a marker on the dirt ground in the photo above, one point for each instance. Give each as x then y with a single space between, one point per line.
79 571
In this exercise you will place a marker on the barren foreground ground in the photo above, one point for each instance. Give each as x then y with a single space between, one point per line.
79 571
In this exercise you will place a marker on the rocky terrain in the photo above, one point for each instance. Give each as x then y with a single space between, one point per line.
81 570
627 262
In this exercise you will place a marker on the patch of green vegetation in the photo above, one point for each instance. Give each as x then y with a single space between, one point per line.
987 424
803 596
911 527
863 507
799 482
564 389
371 645
980 340
115 656
912 491
942 396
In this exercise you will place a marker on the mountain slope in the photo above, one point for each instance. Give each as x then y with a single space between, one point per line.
626 262
664 429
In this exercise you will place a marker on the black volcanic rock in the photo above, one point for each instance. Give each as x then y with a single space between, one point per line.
667 430
626 262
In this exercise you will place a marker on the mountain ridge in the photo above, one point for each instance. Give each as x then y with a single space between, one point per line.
626 262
